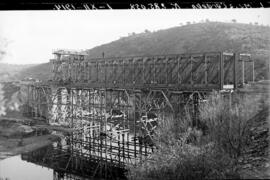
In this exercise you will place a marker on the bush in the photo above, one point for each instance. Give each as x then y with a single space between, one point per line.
180 154
185 161
228 121
175 158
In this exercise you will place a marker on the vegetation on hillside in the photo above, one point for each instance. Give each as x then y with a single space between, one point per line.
11 72
185 153
39 71
3 46
199 37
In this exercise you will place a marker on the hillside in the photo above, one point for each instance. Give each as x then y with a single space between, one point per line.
39 71
10 72
14 72
200 37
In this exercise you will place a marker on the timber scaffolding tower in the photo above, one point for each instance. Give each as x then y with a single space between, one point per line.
115 104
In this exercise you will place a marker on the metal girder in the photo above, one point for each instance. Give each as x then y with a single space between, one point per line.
194 71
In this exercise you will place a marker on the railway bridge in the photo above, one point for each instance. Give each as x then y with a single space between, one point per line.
114 104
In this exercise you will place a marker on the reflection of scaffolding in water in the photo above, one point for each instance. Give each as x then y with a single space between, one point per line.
70 164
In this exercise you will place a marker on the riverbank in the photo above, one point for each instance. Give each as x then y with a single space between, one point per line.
14 146
21 135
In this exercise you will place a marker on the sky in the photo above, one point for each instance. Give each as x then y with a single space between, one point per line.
30 37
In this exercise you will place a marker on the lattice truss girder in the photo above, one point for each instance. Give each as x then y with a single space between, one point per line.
195 71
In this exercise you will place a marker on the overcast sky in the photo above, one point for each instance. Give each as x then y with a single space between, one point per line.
32 35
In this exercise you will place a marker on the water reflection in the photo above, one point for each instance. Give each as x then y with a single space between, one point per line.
70 164
14 168
50 163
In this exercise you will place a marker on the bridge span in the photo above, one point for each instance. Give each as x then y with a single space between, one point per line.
115 104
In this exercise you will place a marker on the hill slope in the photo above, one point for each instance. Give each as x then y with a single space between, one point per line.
200 37
9 72
39 71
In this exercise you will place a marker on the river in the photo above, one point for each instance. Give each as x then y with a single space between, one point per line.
48 163
14 168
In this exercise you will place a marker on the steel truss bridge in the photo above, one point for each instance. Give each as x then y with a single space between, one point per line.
114 105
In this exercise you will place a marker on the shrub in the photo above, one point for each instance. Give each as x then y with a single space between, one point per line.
178 154
228 121
183 162
175 158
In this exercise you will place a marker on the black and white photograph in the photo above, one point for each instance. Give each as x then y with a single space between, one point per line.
142 93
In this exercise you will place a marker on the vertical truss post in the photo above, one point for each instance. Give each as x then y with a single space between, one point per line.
104 116
221 68
243 72
140 115
72 108
235 68
59 102
195 106
134 121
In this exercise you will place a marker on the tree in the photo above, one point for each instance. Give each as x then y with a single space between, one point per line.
146 31
234 20
3 46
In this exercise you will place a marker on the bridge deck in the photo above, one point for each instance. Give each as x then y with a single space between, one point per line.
176 87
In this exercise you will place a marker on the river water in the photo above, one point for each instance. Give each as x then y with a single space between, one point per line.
14 168
48 163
